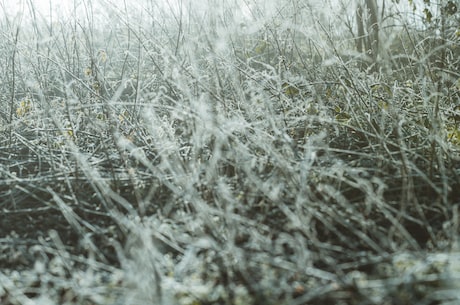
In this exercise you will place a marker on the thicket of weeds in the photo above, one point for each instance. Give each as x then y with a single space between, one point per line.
189 155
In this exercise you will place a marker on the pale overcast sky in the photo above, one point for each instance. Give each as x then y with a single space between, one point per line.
62 9
59 9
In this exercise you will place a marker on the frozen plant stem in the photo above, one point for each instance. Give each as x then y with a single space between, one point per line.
13 86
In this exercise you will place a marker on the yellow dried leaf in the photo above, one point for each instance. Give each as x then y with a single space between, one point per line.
25 106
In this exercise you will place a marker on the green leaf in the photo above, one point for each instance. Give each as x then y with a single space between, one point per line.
342 117
450 8
428 15
290 90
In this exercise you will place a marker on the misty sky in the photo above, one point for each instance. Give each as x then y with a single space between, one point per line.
58 10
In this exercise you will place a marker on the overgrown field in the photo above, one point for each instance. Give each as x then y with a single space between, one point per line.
234 152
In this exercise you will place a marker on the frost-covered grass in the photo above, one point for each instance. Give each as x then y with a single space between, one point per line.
183 155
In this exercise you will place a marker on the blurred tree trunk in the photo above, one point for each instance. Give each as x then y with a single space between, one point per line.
368 30
360 41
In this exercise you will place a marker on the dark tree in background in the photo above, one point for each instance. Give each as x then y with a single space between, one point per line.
368 29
